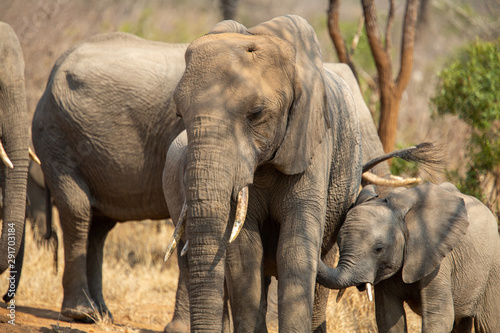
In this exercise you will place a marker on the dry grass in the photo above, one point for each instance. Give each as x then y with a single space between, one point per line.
139 287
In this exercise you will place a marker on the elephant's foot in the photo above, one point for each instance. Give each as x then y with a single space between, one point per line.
87 312
177 326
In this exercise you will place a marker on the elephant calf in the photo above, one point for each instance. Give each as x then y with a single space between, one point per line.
430 246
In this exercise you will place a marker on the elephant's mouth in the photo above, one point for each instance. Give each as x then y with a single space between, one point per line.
368 287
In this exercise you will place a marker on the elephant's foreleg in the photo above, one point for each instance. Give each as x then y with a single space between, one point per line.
99 229
245 281
321 298
180 320
75 214
297 259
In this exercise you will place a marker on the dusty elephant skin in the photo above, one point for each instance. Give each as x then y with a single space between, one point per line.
292 136
14 129
430 246
101 130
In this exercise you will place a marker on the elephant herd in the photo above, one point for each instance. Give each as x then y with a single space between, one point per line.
250 126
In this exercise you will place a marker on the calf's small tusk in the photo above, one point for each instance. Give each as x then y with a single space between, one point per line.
178 232
369 291
241 213
5 158
33 156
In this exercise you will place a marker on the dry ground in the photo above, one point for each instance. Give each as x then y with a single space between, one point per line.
139 288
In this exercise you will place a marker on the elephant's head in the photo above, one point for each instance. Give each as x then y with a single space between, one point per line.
410 230
247 98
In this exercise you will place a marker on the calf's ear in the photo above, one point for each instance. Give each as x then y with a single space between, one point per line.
367 193
436 220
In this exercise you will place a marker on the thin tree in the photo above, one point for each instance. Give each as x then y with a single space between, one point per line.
390 89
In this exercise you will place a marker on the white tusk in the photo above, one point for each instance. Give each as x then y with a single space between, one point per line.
369 291
340 294
33 156
179 230
5 158
185 248
377 180
241 213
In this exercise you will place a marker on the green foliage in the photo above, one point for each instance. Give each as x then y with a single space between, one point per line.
469 88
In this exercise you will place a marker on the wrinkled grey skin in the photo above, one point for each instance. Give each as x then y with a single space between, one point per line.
175 192
430 246
101 131
292 135
14 133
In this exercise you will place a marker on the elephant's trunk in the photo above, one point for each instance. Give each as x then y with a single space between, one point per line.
210 184
15 140
339 277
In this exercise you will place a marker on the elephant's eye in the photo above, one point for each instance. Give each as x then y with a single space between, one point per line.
255 113
178 114
378 248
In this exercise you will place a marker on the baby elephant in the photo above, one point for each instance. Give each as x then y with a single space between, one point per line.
430 246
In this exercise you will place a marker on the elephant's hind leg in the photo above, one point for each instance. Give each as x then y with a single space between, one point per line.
99 229
75 214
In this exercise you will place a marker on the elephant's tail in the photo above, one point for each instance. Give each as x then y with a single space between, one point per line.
50 235
425 153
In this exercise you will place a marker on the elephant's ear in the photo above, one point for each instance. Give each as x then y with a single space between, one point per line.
436 220
367 193
308 118
228 26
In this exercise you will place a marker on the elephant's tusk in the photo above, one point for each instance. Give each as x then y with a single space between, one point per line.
241 212
377 180
33 156
185 248
340 294
5 158
179 230
369 291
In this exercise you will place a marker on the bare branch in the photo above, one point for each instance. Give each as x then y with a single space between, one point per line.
336 36
359 31
379 54
334 30
388 28
407 46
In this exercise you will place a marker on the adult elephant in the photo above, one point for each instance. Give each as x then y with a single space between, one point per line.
14 133
292 137
101 130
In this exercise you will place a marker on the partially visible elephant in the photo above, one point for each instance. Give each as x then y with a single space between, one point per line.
429 246
14 134
291 138
101 130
